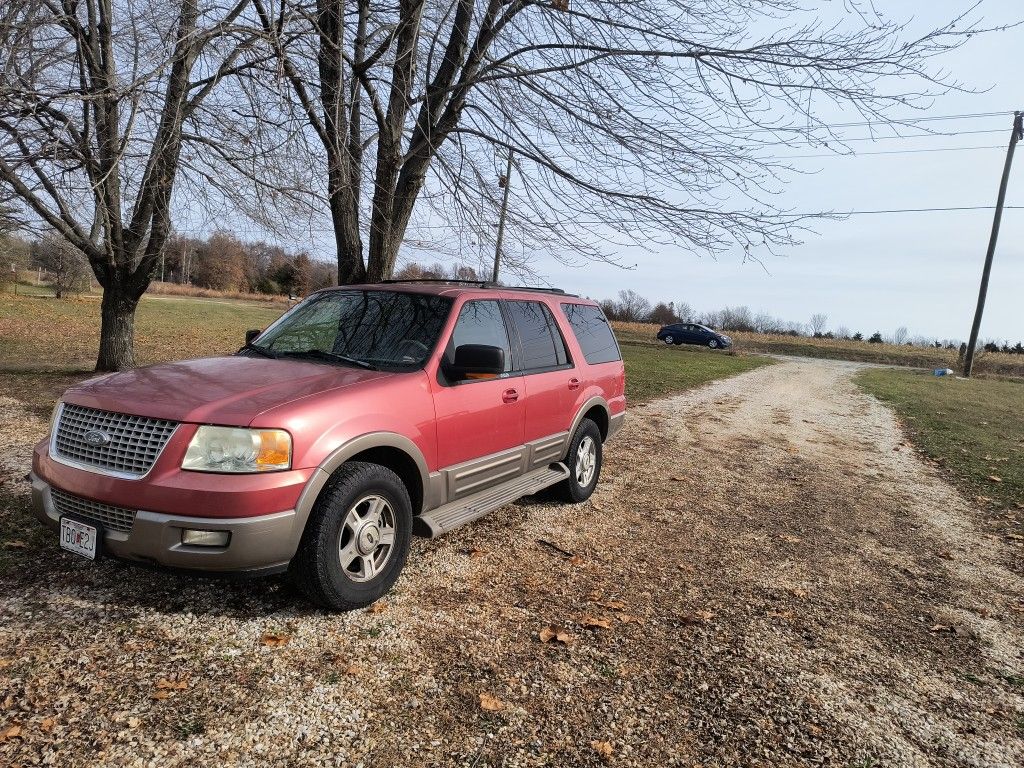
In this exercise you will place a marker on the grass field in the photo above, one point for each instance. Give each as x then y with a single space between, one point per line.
46 344
986 363
973 428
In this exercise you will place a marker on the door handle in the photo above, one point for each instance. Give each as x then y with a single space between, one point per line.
509 396
574 383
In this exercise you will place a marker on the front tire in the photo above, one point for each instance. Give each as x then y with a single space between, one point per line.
713 344
669 340
356 540
584 461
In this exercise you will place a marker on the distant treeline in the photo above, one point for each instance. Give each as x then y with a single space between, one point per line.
221 262
631 307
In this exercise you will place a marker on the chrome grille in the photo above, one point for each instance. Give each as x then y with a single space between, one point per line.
134 441
115 518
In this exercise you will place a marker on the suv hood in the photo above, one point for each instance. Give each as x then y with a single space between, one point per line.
230 391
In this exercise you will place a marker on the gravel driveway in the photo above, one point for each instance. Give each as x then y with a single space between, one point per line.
768 575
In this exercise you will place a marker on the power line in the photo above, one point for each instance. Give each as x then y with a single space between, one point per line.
893 152
870 123
898 137
905 210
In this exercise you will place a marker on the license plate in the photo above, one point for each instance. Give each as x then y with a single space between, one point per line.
79 538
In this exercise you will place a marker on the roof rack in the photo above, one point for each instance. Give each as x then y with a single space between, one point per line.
479 284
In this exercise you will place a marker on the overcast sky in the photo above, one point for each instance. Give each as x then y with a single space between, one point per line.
879 272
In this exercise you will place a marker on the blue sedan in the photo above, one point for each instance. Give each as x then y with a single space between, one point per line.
693 333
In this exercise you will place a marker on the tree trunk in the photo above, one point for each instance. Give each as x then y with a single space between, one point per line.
345 218
117 329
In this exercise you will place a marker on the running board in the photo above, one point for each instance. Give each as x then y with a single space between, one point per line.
446 518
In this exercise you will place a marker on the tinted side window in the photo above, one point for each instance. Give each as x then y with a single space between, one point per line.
542 345
592 332
480 322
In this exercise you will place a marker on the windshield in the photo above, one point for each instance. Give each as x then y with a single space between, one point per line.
379 329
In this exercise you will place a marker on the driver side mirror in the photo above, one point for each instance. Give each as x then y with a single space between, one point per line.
477 361
251 334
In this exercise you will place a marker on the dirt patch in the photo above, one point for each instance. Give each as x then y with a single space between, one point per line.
768 575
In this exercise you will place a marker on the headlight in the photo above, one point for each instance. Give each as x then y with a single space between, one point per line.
233 449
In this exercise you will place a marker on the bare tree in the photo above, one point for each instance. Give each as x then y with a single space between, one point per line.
67 265
819 321
900 335
624 123
94 98
631 307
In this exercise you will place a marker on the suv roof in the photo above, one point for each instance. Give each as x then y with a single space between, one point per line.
454 287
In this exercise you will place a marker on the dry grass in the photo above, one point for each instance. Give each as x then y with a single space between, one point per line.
175 289
986 363
38 333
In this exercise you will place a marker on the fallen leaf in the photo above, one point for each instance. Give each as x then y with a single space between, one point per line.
134 722
791 539
603 748
47 724
595 622
5 663
557 634
575 560
626 618
352 669
276 639
161 695
940 628
678 479
377 607
490 703
782 615
798 592
476 553
615 605
946 554
171 685
16 544
1014 536
995 478
13 732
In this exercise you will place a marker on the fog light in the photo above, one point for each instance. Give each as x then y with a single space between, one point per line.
194 538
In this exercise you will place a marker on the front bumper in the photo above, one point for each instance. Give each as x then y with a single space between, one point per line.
261 544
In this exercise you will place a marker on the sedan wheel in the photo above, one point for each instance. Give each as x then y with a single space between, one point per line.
669 340
713 343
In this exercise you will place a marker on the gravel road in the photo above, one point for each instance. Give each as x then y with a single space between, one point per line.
769 575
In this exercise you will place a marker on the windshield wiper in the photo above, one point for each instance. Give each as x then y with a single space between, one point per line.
319 353
259 350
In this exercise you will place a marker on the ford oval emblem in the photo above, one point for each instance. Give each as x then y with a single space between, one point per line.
96 437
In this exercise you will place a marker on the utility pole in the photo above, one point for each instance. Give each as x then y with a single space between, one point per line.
1015 135
507 178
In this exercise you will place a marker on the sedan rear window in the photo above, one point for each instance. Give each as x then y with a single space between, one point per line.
593 333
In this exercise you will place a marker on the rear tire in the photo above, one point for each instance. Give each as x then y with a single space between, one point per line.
356 539
669 340
584 461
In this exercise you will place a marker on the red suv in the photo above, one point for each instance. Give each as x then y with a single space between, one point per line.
363 415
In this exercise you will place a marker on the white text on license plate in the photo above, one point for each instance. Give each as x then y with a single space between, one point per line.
78 538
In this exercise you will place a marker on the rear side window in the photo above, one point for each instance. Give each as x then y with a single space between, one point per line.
480 322
593 333
541 342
